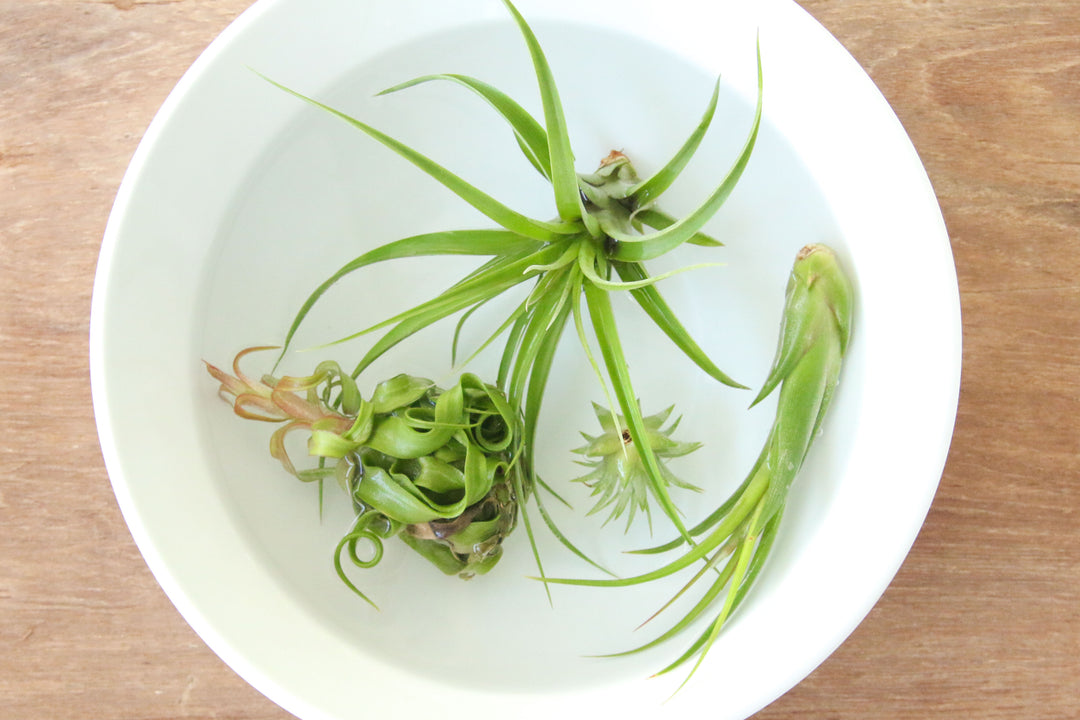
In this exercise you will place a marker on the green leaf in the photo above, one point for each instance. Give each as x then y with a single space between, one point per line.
489 206
564 540
510 321
398 392
716 515
746 504
607 416
817 305
530 134
520 491
693 614
542 355
650 189
345 542
803 402
550 491
607 336
654 305
768 537
659 220
511 346
457 298
587 260
458 328
635 248
745 553
563 177
549 300
454 242
757 561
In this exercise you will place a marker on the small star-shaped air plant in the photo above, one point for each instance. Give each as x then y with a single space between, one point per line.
619 478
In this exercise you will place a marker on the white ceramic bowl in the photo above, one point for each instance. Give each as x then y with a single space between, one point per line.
241 199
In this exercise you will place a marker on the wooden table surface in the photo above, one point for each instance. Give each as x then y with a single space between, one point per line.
982 621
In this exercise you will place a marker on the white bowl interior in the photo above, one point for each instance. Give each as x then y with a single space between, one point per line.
242 199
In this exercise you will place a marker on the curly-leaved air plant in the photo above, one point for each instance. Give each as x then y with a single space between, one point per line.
454 490
439 469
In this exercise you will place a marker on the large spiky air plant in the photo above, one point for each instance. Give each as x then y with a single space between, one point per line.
594 246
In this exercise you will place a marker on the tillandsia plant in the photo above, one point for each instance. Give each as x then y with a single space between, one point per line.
440 469
733 542
618 478
607 226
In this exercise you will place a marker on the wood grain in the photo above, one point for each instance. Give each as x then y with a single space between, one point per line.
983 619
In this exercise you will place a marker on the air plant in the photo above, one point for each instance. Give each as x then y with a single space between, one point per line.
440 469
618 478
733 542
